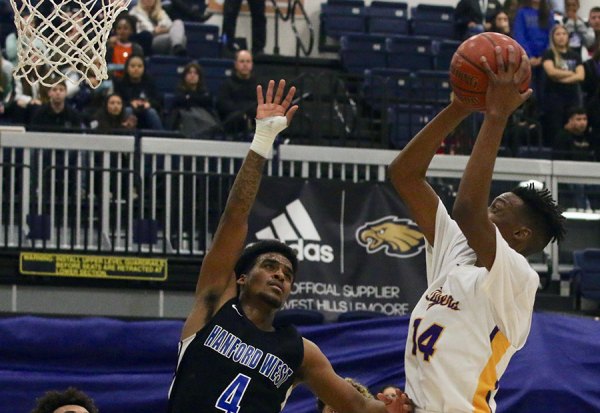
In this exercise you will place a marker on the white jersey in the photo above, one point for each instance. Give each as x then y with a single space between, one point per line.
468 324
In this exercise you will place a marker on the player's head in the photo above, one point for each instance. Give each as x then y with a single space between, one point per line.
389 390
243 64
528 218
70 400
266 269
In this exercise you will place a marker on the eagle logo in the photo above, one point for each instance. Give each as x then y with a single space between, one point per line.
398 237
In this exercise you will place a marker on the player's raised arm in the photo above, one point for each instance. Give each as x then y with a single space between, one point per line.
407 171
471 205
216 283
318 374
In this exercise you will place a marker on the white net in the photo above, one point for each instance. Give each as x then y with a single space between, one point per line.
64 40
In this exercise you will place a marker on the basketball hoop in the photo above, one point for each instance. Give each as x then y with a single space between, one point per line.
60 40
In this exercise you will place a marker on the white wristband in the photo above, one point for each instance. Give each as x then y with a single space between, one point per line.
265 134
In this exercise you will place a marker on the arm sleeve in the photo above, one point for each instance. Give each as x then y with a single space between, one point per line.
511 285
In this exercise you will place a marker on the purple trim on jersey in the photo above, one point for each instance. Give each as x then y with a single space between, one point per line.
493 333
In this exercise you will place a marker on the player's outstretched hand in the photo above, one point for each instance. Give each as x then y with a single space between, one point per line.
503 96
273 105
400 404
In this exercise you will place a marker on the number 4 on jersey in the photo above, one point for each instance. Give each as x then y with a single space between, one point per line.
229 400
426 340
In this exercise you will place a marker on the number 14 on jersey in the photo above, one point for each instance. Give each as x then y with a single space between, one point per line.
425 342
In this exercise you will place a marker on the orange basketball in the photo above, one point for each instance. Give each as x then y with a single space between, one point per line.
468 77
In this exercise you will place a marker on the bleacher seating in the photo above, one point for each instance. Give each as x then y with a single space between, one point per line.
586 274
405 120
202 40
383 87
433 20
215 72
386 17
339 17
431 87
410 52
362 51
166 71
445 52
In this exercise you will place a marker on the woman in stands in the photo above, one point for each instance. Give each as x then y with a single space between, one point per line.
193 110
113 116
168 36
139 92
564 73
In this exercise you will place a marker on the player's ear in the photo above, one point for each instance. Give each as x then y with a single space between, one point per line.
523 233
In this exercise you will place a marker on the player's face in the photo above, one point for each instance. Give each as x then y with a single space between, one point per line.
71 409
270 278
390 392
504 213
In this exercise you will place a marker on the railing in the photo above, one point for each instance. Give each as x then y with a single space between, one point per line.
164 196
293 7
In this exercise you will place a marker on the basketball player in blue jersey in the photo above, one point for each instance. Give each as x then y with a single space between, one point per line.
231 358
476 312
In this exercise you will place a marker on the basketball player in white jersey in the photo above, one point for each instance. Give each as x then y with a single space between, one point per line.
476 312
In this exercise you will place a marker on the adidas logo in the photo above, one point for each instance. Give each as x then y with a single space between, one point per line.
296 229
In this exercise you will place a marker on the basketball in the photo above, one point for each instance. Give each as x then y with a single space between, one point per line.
467 75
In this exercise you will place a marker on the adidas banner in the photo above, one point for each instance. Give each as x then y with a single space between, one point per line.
357 247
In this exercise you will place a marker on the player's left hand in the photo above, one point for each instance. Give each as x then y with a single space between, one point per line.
273 105
400 404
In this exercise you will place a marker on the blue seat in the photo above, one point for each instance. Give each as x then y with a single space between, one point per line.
362 51
359 315
433 20
384 87
166 71
431 87
298 317
534 152
445 52
215 72
384 17
410 52
339 17
404 121
202 40
586 274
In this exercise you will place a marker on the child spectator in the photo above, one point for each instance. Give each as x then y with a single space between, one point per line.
139 92
122 47
564 72
579 33
193 113
168 37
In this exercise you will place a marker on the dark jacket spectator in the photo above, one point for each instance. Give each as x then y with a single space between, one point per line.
56 114
470 18
113 116
572 141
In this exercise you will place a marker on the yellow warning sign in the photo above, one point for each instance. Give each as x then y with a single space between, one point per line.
93 266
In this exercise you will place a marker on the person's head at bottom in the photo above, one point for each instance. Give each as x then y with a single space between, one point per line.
390 391
265 273
71 400
527 218
325 408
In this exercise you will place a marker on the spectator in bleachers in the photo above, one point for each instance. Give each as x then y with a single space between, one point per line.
594 24
231 9
121 46
236 100
579 33
188 10
138 91
573 141
564 73
531 29
90 94
193 113
28 95
500 23
6 84
69 401
168 36
10 43
523 130
56 114
113 116
474 16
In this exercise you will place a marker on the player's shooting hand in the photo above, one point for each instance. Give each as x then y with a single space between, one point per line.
400 404
273 105
503 95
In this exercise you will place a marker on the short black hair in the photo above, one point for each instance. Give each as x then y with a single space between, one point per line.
254 250
575 110
544 214
53 400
